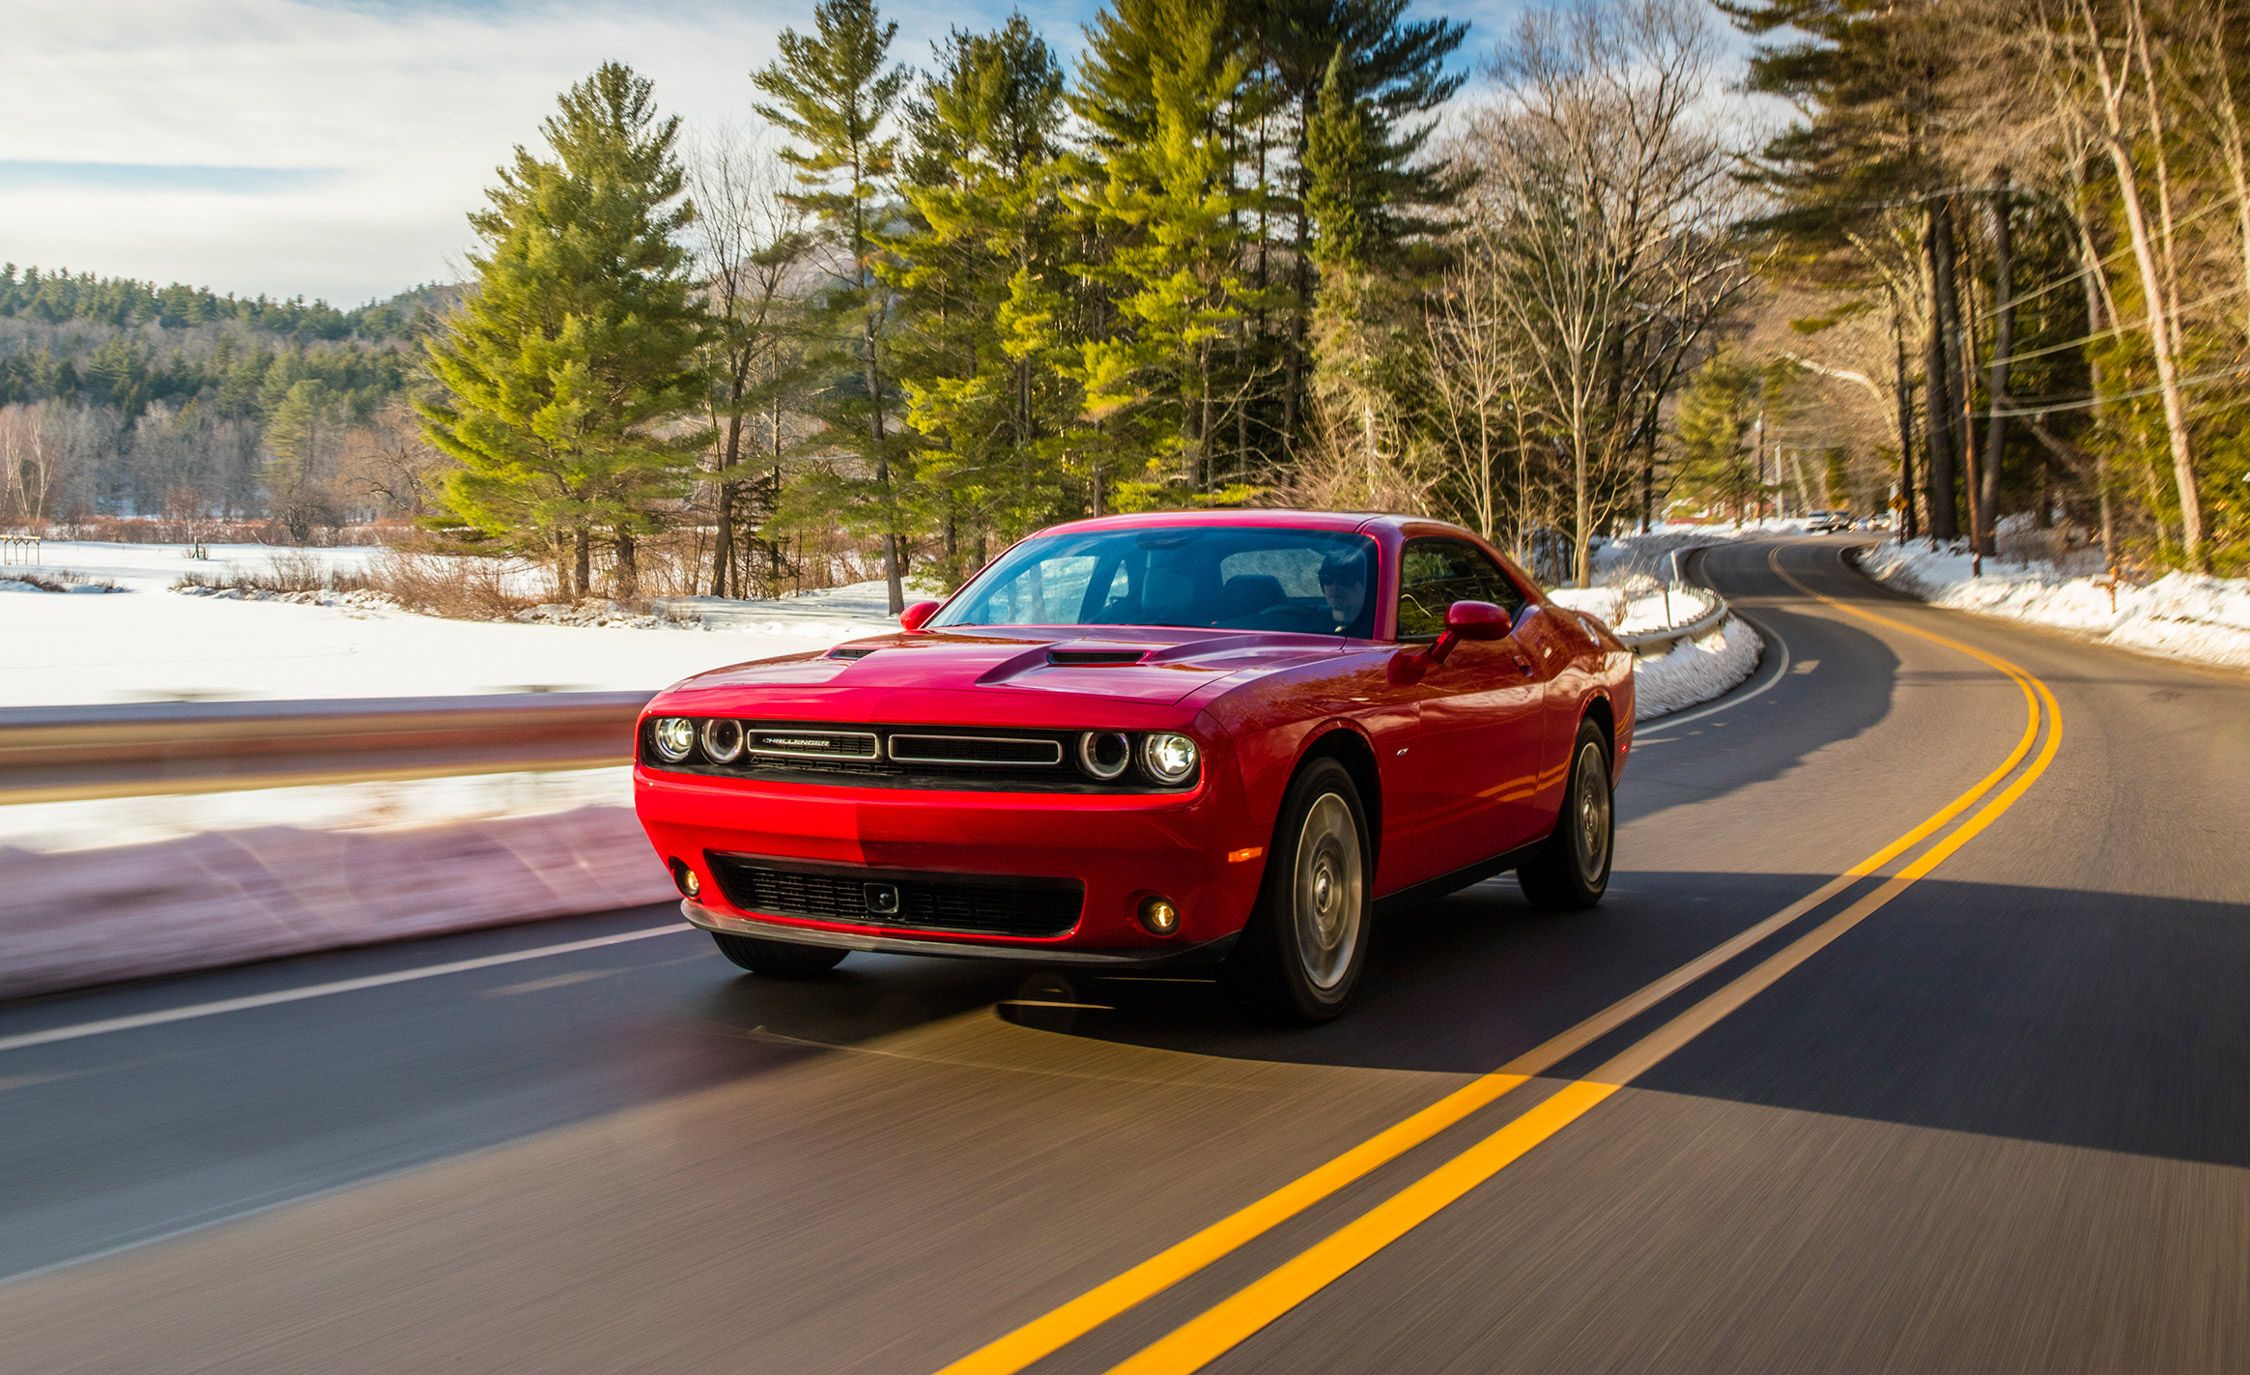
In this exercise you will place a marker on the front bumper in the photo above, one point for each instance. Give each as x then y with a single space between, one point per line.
1202 850
841 938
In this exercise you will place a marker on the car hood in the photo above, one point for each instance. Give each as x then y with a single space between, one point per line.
1147 666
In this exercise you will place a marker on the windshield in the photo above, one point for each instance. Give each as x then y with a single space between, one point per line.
1214 577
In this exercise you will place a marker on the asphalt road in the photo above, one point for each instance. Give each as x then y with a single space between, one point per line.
1982 1104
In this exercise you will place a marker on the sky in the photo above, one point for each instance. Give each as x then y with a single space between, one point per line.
332 148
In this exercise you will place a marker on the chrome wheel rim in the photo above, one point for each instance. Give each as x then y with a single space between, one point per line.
1329 891
1590 813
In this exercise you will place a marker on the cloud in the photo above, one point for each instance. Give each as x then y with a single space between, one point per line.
402 109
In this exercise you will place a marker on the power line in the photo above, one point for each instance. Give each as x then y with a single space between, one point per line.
2104 261
2137 324
2083 403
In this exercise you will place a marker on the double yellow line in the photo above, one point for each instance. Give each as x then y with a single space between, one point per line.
1234 1319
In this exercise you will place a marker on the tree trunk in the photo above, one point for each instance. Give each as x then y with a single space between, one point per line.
582 563
626 576
2003 348
1937 389
1903 389
2118 142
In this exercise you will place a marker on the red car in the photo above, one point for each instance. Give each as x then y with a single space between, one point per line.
1165 739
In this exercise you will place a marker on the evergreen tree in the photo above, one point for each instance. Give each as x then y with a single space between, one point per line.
1394 73
981 272
834 92
1172 227
1362 449
1722 413
571 367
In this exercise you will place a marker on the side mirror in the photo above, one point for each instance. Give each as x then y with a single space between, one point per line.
1477 621
1470 621
915 616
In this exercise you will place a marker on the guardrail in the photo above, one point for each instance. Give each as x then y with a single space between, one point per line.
1642 642
67 754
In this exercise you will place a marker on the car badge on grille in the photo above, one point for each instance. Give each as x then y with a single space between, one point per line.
801 742
882 899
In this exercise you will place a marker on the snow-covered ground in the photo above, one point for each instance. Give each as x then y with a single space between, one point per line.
1632 594
1697 670
2182 615
147 642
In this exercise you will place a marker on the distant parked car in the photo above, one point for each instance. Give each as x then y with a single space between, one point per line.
1878 521
1152 740
1827 522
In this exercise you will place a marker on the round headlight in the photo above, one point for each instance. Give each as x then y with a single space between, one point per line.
673 738
1104 754
722 739
1168 758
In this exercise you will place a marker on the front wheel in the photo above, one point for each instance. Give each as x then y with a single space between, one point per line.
1304 947
1570 871
778 959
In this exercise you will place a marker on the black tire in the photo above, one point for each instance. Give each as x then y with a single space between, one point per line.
1302 952
1570 870
778 959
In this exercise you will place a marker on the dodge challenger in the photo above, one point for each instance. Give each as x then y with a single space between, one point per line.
1222 738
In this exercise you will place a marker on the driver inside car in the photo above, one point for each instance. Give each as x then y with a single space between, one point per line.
1343 581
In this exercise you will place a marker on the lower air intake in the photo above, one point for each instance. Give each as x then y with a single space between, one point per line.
977 904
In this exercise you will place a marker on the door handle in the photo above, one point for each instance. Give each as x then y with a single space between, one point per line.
1523 665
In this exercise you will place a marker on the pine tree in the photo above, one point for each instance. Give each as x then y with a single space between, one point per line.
1395 73
981 274
834 92
1363 451
1726 402
573 363
1172 226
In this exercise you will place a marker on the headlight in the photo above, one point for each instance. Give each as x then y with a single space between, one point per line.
722 739
1168 758
673 738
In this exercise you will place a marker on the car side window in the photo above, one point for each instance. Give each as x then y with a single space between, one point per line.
1433 574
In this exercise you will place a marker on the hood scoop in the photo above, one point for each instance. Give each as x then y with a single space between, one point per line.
1095 658
852 651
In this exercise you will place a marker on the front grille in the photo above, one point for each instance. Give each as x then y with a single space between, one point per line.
973 757
966 903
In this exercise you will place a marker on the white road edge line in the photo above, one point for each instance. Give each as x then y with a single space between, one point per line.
25 1040
1731 699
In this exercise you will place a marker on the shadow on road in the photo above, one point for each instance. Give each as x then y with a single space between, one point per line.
2105 1020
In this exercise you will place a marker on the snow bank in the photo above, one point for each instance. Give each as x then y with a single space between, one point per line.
202 899
151 643
1630 596
2183 615
1695 671
1637 603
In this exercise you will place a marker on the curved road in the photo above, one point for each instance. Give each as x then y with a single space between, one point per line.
1915 1035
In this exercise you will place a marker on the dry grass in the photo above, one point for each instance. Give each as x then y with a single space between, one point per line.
465 588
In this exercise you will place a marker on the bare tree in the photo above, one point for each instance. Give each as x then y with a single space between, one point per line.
753 244
1605 187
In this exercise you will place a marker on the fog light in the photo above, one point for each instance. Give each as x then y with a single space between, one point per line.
684 878
1160 916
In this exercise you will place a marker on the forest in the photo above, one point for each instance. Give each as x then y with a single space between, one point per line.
1981 263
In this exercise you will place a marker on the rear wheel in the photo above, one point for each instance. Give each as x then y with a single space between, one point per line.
1570 871
778 959
1304 947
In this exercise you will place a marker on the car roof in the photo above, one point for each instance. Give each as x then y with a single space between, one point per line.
1259 517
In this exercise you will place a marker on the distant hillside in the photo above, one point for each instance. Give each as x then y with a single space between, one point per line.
165 397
